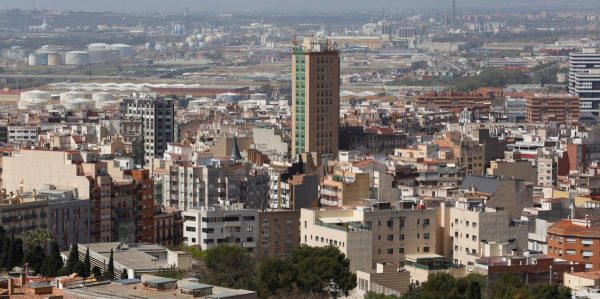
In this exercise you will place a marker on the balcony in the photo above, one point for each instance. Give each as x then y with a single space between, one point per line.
249 244
329 192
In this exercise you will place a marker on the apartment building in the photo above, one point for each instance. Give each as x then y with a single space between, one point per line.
23 135
547 171
315 97
576 240
476 231
186 186
344 188
563 109
454 100
279 233
59 211
369 236
518 169
207 227
27 170
584 71
506 194
158 117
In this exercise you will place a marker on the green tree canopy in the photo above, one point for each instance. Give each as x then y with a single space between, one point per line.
52 262
35 258
275 276
110 271
230 266
72 260
323 270
87 264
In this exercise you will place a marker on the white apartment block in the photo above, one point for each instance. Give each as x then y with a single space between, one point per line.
233 225
24 135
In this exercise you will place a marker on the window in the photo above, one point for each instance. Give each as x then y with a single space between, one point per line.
390 237
401 237
426 236
190 229
390 251
425 249
401 250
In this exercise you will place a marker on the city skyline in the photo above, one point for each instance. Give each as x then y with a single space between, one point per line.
330 6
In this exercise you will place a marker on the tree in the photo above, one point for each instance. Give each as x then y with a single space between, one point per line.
371 295
508 286
11 257
5 252
323 270
52 262
36 237
78 268
124 274
110 271
86 263
275 276
230 267
553 291
96 272
35 258
72 260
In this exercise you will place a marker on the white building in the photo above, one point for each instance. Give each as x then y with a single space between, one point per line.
233 225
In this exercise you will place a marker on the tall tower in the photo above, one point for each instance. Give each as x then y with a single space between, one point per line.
453 13
186 14
584 79
316 97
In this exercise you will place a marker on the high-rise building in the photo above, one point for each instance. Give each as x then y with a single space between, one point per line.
316 95
158 122
584 79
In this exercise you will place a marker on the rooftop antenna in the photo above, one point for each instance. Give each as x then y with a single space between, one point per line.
33 6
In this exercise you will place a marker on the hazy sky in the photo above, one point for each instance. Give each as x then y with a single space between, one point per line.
285 5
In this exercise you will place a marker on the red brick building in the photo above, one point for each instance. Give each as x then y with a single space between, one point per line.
576 240
144 206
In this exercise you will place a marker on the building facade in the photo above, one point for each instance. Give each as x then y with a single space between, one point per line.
158 117
316 97
584 75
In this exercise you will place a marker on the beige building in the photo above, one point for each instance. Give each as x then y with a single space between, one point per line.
369 236
30 170
547 171
579 281
384 279
316 97
482 232
521 170
344 188
420 266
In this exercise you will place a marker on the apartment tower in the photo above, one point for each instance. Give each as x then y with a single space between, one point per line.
316 95
584 79
158 117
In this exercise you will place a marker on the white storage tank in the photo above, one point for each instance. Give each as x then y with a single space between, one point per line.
123 50
80 104
77 58
34 98
34 59
229 97
102 98
71 95
100 55
54 59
